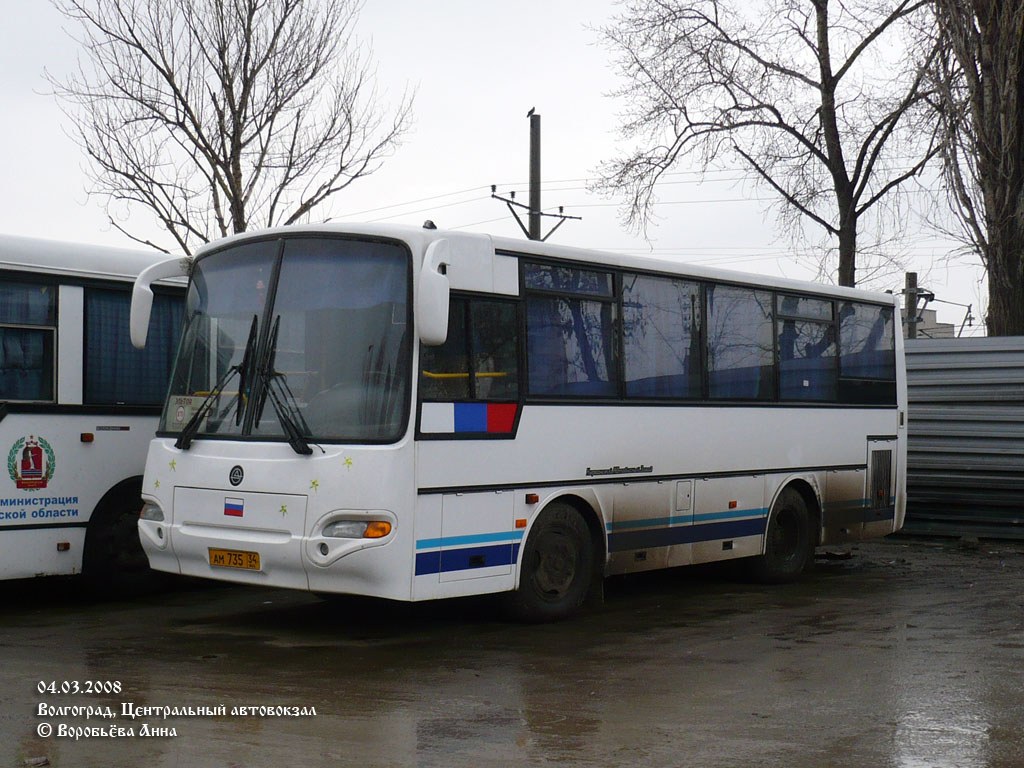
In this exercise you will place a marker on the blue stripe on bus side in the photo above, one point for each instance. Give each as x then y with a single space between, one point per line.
442 561
731 514
685 534
477 538
652 522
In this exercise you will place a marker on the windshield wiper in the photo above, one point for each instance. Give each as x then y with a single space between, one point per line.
286 408
188 432
287 416
246 374
192 425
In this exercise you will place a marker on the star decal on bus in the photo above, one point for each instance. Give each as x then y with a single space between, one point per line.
315 485
284 510
174 465
347 462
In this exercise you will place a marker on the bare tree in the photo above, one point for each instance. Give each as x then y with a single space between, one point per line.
223 115
979 85
812 97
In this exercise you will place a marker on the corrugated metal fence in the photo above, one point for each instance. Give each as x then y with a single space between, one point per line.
965 463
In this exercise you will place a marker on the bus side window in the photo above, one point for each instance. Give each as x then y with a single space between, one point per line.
740 343
866 342
661 336
867 354
28 321
495 350
570 331
444 370
807 349
116 372
479 359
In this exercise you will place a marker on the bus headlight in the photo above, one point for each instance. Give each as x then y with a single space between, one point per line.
357 529
151 512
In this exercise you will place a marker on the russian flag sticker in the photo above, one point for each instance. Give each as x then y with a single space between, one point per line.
233 507
480 418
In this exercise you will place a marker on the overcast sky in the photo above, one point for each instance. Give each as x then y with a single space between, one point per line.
477 67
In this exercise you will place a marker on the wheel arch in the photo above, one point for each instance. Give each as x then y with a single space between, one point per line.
808 490
127 488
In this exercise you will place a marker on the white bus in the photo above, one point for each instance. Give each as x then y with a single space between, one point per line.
78 406
416 414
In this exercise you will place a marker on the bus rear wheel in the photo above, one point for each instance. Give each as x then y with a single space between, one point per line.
789 542
557 566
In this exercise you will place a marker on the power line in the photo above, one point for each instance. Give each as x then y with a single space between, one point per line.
428 210
413 202
548 186
477 223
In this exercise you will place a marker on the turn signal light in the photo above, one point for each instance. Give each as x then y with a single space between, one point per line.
377 530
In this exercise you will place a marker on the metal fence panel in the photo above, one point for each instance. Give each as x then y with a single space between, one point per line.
965 452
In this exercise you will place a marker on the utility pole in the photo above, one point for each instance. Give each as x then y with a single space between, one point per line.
534 213
534 175
912 295
910 292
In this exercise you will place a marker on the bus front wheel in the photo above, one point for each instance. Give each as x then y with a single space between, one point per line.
557 566
789 542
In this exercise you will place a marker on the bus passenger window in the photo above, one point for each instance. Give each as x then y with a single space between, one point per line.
807 360
867 354
570 331
740 343
444 370
661 329
479 359
495 353
866 342
116 372
27 353
569 346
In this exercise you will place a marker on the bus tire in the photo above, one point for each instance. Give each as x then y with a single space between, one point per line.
557 566
789 542
113 559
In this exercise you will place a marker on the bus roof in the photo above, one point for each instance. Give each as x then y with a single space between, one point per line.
421 237
31 254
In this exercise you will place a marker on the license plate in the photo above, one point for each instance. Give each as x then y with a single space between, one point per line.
233 558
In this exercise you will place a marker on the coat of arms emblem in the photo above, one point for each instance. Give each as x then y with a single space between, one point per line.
31 463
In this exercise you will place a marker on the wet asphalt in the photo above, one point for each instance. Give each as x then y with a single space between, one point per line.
905 653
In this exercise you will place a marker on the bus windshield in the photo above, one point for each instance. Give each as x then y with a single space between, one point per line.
305 337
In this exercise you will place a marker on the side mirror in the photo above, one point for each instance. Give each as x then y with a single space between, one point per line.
142 294
432 296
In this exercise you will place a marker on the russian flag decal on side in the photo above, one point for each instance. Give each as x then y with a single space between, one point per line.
481 418
233 507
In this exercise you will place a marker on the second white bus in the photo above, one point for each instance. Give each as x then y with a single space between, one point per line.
416 414
78 406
